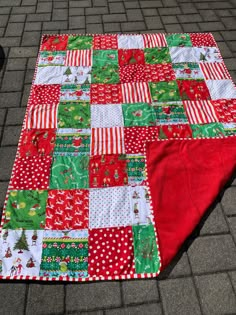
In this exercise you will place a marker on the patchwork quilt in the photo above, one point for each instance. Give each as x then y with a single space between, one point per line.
87 198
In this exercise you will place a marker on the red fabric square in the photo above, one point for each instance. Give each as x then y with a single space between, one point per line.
159 72
193 90
45 94
105 94
67 209
135 138
175 131
130 56
37 142
31 172
225 110
199 39
111 252
108 170
105 42
54 42
132 73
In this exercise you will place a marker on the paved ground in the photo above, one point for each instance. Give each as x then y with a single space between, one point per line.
202 280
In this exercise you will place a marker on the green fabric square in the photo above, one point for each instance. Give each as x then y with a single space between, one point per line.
208 130
69 172
170 113
178 40
164 91
229 129
136 168
157 55
139 114
80 42
74 115
26 210
105 57
105 74
145 249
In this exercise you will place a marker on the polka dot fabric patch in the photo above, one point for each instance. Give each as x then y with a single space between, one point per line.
45 94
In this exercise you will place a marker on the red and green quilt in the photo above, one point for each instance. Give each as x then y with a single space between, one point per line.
127 140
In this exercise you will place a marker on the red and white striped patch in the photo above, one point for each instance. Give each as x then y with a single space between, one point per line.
135 92
214 70
154 40
79 58
200 112
107 141
42 116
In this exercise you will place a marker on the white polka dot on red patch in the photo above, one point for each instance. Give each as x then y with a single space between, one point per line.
47 94
199 40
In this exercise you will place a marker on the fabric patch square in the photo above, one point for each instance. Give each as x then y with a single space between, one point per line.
130 57
135 92
65 253
105 42
67 209
145 249
200 112
105 57
54 42
73 115
49 75
52 58
21 252
136 169
225 110
115 210
221 89
138 114
208 130
132 73
170 113
175 131
107 141
31 172
159 72
195 54
79 42
37 142
26 210
193 90
157 55
154 40
140 205
164 91
45 94
200 39
187 70
229 129
75 93
106 116
76 75
178 40
79 58
69 172
107 170
106 94
72 142
111 252
130 42
214 70
105 74
41 117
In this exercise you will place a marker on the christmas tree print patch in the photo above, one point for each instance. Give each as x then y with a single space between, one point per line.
79 204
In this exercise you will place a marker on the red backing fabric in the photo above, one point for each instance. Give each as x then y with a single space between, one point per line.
185 177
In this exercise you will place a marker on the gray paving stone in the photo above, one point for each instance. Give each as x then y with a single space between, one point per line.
2 116
140 291
29 76
45 299
55 25
22 52
99 3
97 10
181 268
60 5
2 30
16 64
80 4
132 4
145 309
211 26
5 3
208 15
179 297
76 11
44 7
190 18
132 26
101 295
20 10
10 99
60 14
33 26
224 49
31 39
232 225
39 17
76 22
229 201
17 18
216 294
14 29
3 192
191 27
187 8
230 63
28 2
11 305
149 12
169 11
94 28
112 27
7 157
5 11
150 4
10 41
169 19
15 116
92 313
26 94
212 253
116 7
12 81
134 15
153 22
173 28
232 276
3 20
92 19
114 17
11 135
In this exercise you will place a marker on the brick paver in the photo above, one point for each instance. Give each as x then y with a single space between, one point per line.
202 278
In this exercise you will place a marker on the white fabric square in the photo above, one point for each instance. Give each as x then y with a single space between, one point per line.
195 54
109 207
221 89
76 75
140 205
106 116
49 75
130 41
